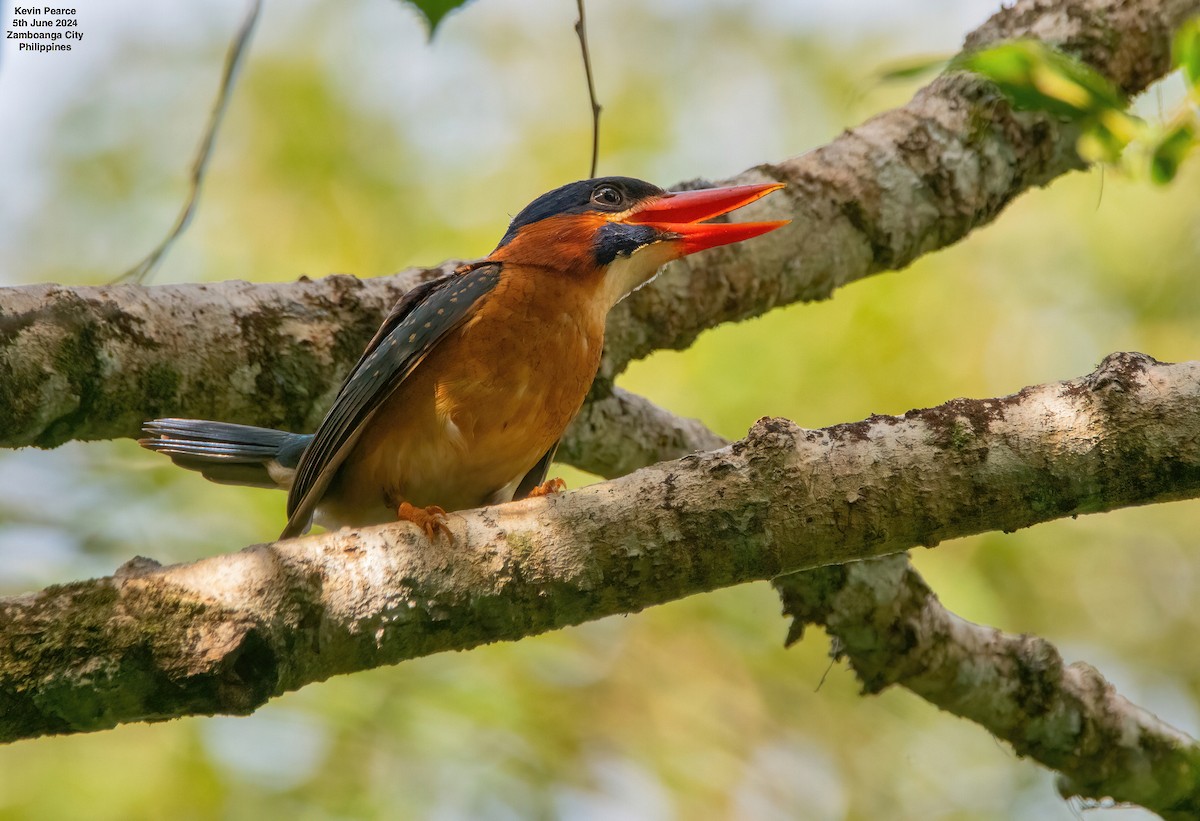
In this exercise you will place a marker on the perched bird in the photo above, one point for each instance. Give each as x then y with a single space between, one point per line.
464 392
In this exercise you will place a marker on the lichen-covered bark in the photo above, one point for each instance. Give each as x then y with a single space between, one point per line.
892 628
904 183
93 363
223 634
618 432
96 362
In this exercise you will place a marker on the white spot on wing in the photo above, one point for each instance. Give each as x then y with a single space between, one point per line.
454 434
280 475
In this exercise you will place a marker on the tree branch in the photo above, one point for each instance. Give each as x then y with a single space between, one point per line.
891 626
233 60
585 53
885 619
93 363
905 183
618 432
96 362
224 634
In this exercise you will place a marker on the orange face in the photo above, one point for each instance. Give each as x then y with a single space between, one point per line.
562 243
615 232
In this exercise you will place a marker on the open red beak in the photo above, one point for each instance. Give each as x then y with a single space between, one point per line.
681 213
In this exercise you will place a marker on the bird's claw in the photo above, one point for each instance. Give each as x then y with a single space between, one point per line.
555 485
431 519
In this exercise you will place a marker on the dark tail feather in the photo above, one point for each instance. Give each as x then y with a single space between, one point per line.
229 454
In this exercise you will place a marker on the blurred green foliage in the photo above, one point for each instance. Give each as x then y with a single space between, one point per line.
1035 76
368 150
1186 54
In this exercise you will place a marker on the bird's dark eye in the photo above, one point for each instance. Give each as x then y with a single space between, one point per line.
607 196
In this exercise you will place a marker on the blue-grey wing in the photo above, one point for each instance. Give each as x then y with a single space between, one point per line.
413 328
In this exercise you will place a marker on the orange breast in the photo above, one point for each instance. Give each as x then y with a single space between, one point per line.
482 408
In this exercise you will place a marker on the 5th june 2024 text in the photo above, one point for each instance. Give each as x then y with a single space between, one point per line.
44 28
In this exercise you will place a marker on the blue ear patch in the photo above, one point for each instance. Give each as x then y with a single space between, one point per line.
616 239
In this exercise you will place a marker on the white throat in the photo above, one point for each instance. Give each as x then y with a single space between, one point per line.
625 275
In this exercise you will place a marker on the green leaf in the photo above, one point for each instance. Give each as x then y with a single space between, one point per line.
1186 51
1106 136
434 10
1179 139
1099 144
1037 77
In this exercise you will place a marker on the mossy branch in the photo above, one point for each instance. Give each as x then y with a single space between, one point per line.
93 363
224 634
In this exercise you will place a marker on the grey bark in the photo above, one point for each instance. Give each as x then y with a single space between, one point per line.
892 628
224 635
93 363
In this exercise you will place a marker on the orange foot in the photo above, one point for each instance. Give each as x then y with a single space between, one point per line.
431 519
546 488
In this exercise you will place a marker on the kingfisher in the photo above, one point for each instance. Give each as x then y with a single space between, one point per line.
461 397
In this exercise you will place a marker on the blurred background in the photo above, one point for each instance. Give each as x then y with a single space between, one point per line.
353 145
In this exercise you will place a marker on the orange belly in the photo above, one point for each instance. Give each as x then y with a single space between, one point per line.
481 409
